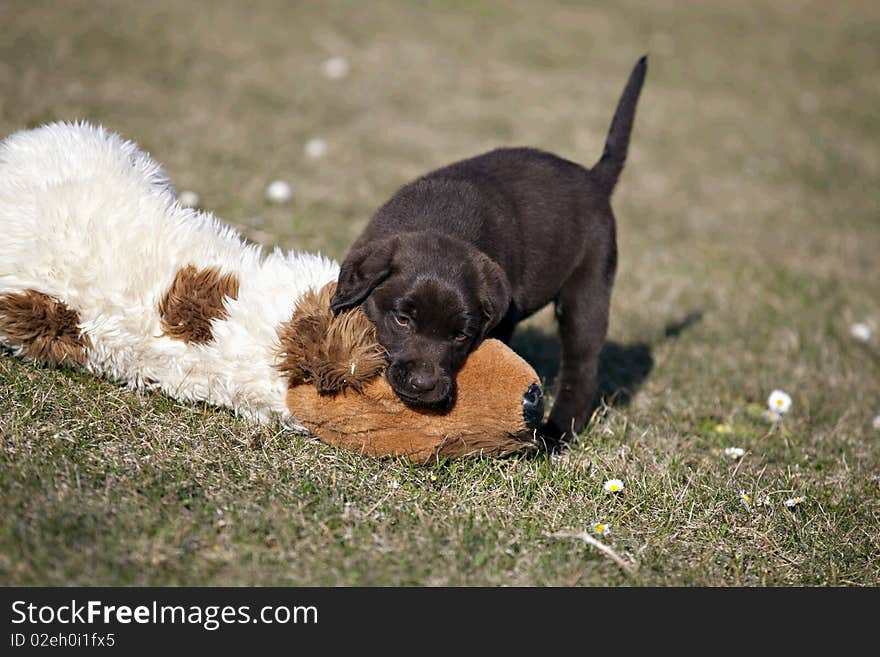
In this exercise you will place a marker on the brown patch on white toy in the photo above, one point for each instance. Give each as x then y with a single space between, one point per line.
195 299
499 401
43 328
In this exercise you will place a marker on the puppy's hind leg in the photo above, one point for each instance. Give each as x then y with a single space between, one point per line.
582 311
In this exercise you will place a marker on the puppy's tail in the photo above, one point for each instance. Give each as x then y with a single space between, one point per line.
607 169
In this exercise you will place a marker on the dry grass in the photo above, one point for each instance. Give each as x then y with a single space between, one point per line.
748 236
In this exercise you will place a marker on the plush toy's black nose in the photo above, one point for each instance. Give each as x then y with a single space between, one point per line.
533 406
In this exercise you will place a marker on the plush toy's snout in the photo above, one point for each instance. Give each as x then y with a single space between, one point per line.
498 405
533 406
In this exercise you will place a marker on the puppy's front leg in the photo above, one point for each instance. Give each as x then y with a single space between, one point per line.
582 312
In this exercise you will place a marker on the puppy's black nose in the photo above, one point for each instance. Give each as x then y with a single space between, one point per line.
533 406
421 382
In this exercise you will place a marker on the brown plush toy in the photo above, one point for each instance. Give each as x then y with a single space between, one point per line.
337 391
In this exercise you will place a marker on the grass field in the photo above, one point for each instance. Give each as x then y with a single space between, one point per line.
749 232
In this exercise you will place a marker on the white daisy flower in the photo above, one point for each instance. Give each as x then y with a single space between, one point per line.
734 452
335 68
744 498
779 402
279 191
601 528
876 422
860 331
394 484
794 501
315 148
188 199
613 486
762 500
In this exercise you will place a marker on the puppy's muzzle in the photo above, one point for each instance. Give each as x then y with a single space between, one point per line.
423 386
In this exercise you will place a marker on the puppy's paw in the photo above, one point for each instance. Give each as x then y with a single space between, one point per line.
552 438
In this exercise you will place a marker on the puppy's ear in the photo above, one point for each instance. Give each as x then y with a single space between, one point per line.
362 271
495 293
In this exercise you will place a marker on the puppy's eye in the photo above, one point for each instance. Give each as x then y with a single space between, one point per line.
402 320
461 337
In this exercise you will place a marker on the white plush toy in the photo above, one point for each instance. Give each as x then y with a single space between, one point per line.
93 223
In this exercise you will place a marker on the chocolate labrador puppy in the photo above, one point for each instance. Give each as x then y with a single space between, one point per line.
469 250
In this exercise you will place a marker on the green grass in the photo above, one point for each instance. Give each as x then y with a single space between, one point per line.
749 243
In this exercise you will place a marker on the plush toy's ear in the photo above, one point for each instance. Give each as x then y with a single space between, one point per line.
495 293
330 352
362 271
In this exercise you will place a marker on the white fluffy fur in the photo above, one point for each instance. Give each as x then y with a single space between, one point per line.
93 221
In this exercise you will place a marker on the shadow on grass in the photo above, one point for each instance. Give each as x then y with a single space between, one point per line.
622 367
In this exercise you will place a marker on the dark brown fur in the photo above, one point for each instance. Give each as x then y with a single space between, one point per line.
320 348
47 329
194 300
